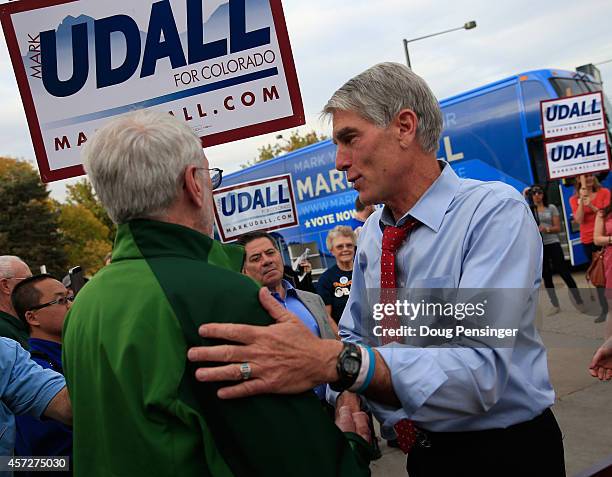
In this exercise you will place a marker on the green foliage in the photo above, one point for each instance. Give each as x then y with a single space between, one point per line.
85 237
29 219
80 232
82 193
295 141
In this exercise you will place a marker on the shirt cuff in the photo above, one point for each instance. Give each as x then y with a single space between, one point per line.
415 376
331 396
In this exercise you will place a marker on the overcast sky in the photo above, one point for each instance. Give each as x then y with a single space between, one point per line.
333 40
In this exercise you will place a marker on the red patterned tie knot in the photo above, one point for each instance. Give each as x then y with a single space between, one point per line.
393 237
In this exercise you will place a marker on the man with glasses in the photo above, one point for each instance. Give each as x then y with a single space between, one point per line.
28 390
42 302
138 408
12 271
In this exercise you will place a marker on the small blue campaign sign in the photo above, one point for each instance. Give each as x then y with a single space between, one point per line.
580 155
265 204
581 114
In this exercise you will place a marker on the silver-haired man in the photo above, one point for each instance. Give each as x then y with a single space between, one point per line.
457 411
138 409
12 271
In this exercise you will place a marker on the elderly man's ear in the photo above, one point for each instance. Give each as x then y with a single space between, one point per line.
4 286
194 186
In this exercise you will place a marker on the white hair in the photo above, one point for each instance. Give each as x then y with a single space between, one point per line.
382 91
136 163
340 231
7 265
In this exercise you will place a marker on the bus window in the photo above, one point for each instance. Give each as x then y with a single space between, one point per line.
568 87
487 129
607 106
533 93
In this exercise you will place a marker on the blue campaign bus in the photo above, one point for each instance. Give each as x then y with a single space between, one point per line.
490 133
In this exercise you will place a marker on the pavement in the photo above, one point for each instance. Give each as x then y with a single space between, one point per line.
583 405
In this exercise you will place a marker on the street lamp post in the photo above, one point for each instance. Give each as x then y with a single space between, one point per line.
466 26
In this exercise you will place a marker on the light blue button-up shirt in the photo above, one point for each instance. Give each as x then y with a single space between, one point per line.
293 303
473 235
25 388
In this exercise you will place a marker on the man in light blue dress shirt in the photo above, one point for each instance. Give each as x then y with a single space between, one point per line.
27 388
480 410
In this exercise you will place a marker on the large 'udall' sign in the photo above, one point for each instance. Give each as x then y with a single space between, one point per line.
223 66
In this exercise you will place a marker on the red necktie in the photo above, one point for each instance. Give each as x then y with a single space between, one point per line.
393 237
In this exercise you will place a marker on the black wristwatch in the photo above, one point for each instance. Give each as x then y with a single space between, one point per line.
348 366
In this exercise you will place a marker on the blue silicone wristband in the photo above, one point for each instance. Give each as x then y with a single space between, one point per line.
370 374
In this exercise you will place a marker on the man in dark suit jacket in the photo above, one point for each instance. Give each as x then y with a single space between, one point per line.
263 262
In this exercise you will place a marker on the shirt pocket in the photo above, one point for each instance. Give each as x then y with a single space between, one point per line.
431 289
443 281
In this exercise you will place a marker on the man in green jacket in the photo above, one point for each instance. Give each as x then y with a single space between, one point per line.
138 411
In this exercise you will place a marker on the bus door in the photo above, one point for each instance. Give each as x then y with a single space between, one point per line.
533 91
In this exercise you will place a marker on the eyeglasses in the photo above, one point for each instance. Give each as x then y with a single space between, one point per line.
64 300
216 175
17 279
537 192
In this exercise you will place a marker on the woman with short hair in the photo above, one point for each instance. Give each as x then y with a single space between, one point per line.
335 284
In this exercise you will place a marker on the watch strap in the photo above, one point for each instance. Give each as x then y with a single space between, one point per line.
346 378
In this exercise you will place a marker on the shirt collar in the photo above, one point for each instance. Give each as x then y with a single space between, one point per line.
51 347
289 289
433 204
144 238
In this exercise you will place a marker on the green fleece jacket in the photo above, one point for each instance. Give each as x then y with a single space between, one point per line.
138 410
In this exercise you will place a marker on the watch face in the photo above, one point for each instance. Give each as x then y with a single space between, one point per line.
351 365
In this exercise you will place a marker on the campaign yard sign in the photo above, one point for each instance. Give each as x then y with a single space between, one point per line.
581 155
223 66
581 114
575 137
265 204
